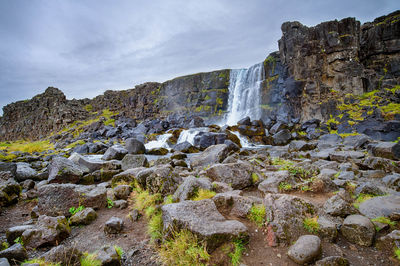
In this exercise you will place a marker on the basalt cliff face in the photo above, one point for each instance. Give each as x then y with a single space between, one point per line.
314 69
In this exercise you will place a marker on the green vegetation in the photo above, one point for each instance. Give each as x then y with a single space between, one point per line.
203 194
266 107
88 107
89 259
184 249
254 178
42 262
383 220
18 240
361 198
74 210
236 255
284 186
74 144
257 214
397 253
4 245
110 203
25 146
311 224
119 250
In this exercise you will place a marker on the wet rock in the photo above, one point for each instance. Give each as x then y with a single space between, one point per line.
357 142
177 155
108 256
116 152
380 206
179 163
114 225
134 146
157 151
286 214
389 150
211 155
134 161
64 255
238 175
15 253
47 231
358 229
337 206
56 199
333 261
122 192
63 170
282 137
272 181
203 219
245 121
185 147
85 217
9 192
14 232
24 172
277 127
189 187
306 249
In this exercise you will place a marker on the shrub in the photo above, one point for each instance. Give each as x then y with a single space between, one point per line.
257 214
184 249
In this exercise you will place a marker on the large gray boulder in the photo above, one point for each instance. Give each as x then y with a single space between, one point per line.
63 170
122 192
14 232
306 249
380 206
134 161
235 203
24 172
301 145
389 150
63 255
134 146
344 156
286 214
93 165
114 225
238 175
47 231
161 179
337 206
272 181
190 185
282 137
8 167
211 155
358 229
116 152
15 253
57 199
85 217
203 219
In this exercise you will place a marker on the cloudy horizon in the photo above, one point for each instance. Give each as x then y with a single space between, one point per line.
86 47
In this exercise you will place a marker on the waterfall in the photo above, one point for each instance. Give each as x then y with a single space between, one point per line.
189 134
244 93
161 142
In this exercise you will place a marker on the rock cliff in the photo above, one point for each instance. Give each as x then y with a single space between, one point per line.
314 68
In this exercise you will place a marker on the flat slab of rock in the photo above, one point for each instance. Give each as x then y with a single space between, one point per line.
380 206
203 219
211 155
237 175
358 229
337 206
56 199
343 156
306 249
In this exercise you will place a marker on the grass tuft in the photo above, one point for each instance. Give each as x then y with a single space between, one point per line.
25 146
184 249
42 262
204 194
311 224
257 214
361 198
119 251
89 259
236 255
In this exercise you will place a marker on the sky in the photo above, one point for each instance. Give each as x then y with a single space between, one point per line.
85 47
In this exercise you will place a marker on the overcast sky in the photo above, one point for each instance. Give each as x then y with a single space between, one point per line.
85 47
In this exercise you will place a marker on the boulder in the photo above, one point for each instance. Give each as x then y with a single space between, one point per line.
9 167
9 192
389 150
85 217
24 172
157 151
234 203
160 179
122 192
282 137
306 249
392 181
337 206
203 219
238 175
380 206
328 228
344 156
189 187
93 165
134 161
64 255
57 199
47 231
301 145
14 232
272 181
390 241
185 147
4 262
357 141
211 155
369 188
15 253
132 174
114 225
286 214
116 152
107 255
134 146
358 229
63 170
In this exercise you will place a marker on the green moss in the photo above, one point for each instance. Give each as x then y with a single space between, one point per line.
219 101
397 253
109 122
199 108
26 146
207 97
344 35
88 107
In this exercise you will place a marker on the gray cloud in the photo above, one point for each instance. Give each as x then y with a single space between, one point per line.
87 47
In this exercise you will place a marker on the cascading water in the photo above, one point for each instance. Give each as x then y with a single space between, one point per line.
244 93
189 134
161 142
